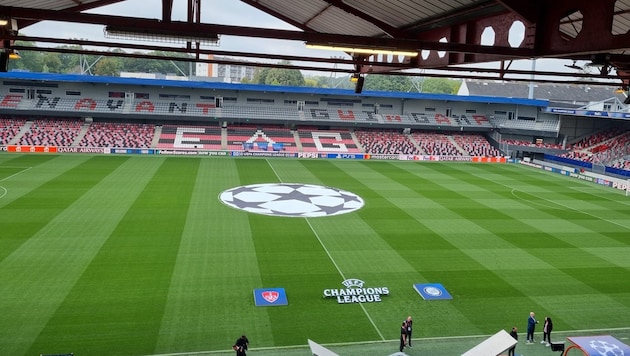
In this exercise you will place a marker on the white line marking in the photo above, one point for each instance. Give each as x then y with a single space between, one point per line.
15 174
514 191
566 207
590 190
393 340
344 278
5 191
332 260
550 201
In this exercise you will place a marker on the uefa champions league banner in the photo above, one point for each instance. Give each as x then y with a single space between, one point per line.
262 154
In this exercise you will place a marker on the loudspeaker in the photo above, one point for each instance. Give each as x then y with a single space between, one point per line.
359 86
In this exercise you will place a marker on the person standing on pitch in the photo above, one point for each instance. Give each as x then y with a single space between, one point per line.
241 345
531 326
403 335
513 334
547 327
409 324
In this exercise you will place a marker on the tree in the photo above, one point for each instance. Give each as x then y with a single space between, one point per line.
282 76
29 60
279 76
310 82
260 75
71 62
397 83
322 81
52 62
441 85
110 66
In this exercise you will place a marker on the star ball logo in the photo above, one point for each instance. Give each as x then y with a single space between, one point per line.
355 292
600 345
291 200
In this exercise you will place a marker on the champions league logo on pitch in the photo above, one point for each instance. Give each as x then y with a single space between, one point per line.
356 293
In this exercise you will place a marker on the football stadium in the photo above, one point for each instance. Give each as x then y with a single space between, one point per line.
145 217
163 217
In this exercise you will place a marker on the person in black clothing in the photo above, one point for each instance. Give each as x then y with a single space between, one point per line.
241 345
403 335
409 323
514 334
547 327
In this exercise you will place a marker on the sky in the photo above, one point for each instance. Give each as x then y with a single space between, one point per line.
229 12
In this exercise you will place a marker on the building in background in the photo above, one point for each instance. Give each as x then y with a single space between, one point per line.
227 73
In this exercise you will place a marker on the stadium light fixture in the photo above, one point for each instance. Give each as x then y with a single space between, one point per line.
13 54
160 35
362 50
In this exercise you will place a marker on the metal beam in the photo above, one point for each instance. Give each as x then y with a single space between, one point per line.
293 22
528 10
304 36
167 10
144 47
387 29
310 68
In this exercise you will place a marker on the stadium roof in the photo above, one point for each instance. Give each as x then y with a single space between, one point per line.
447 33
75 78
552 92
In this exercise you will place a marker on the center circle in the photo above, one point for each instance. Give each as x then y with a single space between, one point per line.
291 200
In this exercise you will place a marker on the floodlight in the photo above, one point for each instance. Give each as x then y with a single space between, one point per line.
362 50
160 35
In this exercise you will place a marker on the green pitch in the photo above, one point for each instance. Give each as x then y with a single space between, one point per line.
121 255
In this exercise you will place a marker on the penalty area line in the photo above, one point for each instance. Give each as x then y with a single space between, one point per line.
4 190
24 169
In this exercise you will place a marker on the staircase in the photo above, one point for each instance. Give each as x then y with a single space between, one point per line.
25 128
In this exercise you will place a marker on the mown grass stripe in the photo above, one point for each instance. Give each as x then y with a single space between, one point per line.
535 240
46 190
38 275
290 256
459 243
116 306
210 298
468 279
37 170
402 233
353 248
